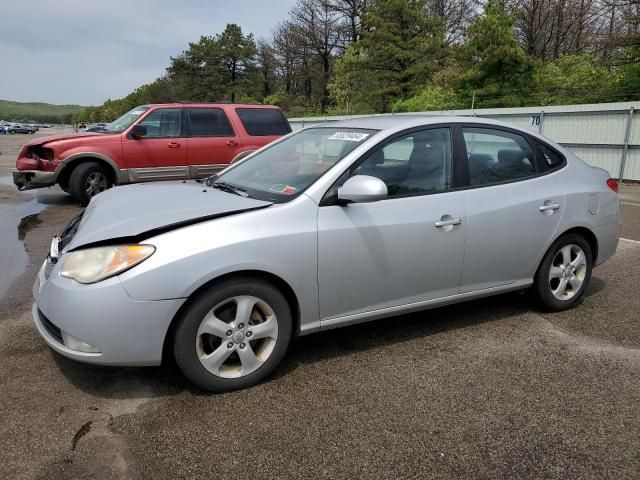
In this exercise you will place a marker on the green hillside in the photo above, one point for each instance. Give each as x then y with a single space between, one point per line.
37 112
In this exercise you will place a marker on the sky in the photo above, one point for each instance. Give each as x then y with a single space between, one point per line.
86 51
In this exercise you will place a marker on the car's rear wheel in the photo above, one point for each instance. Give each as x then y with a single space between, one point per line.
233 335
87 180
564 273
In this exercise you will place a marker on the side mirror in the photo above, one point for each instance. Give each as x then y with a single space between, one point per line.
362 189
138 131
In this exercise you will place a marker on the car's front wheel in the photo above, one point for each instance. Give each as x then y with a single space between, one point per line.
233 335
564 273
87 180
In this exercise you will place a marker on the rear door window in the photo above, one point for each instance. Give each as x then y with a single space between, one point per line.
263 122
496 156
209 122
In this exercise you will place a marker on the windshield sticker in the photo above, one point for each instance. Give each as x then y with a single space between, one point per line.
349 136
137 112
283 189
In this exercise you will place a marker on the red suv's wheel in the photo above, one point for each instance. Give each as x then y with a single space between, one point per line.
87 180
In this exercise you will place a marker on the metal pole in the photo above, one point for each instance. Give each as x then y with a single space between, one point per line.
541 122
626 144
473 100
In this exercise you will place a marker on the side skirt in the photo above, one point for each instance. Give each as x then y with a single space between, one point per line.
173 173
412 307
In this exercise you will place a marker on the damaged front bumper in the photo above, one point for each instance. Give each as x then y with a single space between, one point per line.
28 179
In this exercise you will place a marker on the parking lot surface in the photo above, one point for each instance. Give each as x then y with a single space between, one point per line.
488 389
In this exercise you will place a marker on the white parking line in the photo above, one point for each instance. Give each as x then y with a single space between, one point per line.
631 204
629 240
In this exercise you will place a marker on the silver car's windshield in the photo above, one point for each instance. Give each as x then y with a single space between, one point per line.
286 169
122 123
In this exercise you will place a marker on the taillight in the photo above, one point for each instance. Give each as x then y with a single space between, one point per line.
612 183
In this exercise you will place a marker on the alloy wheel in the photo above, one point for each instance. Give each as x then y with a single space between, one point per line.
237 336
568 271
96 182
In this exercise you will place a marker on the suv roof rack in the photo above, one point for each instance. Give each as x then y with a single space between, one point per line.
219 102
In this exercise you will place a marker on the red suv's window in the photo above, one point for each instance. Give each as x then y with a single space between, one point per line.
263 121
163 123
209 122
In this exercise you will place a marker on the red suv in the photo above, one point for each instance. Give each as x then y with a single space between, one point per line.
151 142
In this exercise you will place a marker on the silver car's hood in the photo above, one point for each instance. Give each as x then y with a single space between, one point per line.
134 211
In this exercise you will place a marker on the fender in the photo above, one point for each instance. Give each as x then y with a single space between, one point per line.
122 175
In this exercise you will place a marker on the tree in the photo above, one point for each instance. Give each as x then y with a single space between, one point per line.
576 79
319 37
352 12
396 54
364 56
499 67
237 54
195 73
455 16
215 68
267 65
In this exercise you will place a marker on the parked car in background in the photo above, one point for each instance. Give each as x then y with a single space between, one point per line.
97 128
333 225
151 142
20 128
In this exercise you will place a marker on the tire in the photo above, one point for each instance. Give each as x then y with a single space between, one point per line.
87 180
228 359
558 286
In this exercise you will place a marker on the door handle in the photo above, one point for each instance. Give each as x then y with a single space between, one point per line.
448 222
549 206
174 145
232 143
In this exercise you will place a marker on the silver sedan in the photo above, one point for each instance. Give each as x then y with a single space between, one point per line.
332 225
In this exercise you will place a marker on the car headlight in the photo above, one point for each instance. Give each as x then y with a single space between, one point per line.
94 264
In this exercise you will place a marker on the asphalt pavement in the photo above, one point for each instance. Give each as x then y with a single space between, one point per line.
488 389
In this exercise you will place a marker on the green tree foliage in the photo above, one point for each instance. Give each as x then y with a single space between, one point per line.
216 68
430 98
499 70
629 70
365 56
399 51
577 79
629 58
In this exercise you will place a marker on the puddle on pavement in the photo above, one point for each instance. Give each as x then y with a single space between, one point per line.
6 180
15 221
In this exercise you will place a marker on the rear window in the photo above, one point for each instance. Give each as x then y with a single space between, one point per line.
209 122
260 122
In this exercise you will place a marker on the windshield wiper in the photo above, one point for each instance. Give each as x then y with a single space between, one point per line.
209 180
227 187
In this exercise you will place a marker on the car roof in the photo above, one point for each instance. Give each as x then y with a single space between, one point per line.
210 104
396 122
